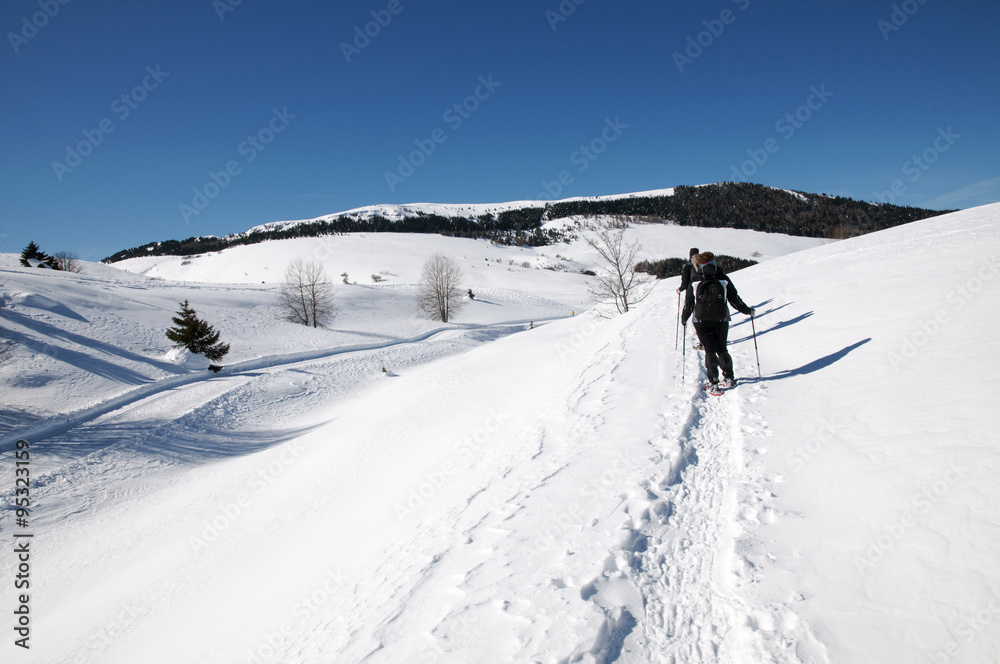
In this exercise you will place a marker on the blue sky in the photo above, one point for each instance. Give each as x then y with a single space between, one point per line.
126 123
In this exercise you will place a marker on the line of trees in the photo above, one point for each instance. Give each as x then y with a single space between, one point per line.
671 267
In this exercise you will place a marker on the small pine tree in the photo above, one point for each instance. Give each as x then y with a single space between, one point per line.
32 251
196 335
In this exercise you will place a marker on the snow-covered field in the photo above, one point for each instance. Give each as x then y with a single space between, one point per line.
509 492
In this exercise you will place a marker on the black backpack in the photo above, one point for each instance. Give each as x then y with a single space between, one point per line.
710 301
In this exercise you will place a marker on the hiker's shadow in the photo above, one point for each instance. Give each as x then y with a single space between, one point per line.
778 326
811 367
761 312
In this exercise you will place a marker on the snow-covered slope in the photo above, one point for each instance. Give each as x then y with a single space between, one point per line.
397 258
558 493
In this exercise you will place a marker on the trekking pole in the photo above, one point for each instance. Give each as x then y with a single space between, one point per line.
756 352
684 345
677 330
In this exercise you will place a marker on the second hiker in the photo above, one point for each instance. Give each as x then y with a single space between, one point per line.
711 317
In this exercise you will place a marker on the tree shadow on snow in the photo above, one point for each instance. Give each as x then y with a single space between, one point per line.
57 333
83 361
12 419
170 440
811 367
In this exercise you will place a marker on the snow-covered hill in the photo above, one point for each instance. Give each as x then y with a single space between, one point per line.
507 494
397 258
395 212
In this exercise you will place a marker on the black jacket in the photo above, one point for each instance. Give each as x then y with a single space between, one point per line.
689 274
731 295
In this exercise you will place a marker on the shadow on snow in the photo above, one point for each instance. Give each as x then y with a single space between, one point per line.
811 367
778 326
54 332
170 440
83 361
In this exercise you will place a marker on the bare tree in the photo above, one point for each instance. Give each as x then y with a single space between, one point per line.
307 292
68 261
619 282
439 294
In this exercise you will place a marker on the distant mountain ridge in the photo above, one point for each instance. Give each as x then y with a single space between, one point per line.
724 205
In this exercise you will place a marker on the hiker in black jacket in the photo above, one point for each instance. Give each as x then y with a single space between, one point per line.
689 273
711 317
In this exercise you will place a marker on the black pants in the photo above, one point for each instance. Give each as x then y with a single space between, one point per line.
713 337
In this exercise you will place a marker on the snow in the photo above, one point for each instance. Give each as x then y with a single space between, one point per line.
509 492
